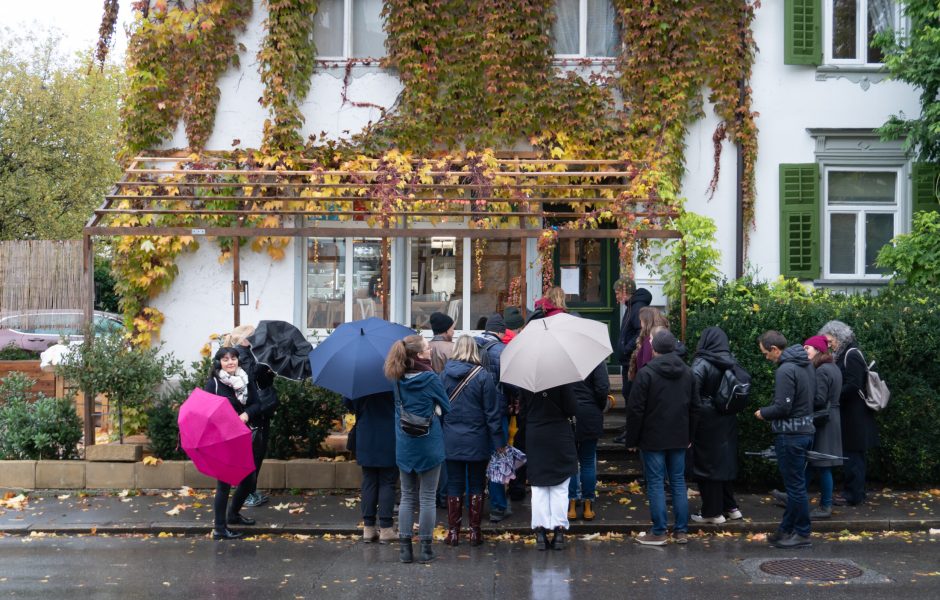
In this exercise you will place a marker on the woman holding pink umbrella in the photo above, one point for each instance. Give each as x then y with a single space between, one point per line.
230 381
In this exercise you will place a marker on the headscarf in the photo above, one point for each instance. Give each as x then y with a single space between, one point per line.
713 347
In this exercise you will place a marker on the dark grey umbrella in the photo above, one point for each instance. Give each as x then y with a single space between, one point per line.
282 348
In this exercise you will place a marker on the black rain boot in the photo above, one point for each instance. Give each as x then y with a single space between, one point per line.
558 538
427 555
541 540
405 551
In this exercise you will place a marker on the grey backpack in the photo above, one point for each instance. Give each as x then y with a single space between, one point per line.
876 393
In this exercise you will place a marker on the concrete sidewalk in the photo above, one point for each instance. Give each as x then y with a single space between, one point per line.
619 510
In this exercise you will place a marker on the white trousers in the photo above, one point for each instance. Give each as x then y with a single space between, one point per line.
550 506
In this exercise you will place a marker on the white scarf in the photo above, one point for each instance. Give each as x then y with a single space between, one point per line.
238 382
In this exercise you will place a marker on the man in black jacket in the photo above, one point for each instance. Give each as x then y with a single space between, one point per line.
659 424
791 419
634 299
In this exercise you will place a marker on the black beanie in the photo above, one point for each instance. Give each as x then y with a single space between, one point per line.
495 323
512 317
664 342
440 323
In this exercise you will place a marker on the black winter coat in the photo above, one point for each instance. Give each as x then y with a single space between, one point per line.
660 405
714 434
794 393
630 326
474 426
550 445
591 398
375 429
261 378
859 429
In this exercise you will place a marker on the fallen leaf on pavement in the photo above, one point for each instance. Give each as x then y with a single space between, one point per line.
152 461
17 502
296 511
281 506
64 496
176 510
186 491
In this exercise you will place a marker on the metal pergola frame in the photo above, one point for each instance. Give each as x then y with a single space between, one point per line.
172 187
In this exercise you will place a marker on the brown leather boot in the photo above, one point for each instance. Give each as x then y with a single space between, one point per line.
572 510
454 517
476 515
589 510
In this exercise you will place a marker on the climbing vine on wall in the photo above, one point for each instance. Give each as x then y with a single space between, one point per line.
174 59
286 61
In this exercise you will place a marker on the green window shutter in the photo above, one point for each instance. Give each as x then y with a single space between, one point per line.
802 35
925 186
799 220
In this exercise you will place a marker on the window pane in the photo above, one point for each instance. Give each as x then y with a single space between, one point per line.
328 28
368 289
603 32
844 28
368 35
566 30
498 268
881 17
853 187
842 244
326 282
436 279
585 257
879 229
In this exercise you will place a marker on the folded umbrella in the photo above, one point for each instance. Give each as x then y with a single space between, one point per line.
282 348
554 351
350 361
213 436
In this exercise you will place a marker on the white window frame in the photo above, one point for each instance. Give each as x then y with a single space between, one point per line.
347 36
860 210
861 34
583 36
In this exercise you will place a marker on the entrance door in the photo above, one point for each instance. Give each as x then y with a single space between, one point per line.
586 269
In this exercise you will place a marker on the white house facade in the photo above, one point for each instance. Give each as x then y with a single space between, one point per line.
829 193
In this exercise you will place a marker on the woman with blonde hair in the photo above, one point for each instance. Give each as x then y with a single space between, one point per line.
471 428
419 445
550 304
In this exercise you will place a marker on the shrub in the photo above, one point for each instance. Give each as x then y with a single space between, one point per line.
34 427
915 256
13 352
303 420
128 375
899 328
162 426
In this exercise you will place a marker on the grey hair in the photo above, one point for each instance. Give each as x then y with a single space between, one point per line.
465 350
841 332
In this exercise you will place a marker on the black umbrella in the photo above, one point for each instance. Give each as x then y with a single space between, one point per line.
282 348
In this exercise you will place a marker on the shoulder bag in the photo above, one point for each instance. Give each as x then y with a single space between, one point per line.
463 384
411 424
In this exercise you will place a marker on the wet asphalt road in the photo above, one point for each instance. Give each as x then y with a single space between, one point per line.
148 567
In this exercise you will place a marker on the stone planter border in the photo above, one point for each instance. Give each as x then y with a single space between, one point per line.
300 474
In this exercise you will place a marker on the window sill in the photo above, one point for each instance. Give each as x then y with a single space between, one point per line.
851 282
863 75
583 61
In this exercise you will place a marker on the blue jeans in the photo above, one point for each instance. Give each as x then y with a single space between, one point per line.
498 500
791 460
825 484
587 472
656 464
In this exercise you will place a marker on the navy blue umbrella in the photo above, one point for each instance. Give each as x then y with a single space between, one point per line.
350 361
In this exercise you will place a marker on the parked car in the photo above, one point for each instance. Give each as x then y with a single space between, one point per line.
36 330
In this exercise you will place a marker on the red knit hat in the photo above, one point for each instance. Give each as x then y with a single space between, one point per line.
819 342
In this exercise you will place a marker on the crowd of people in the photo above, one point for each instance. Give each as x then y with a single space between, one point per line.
448 414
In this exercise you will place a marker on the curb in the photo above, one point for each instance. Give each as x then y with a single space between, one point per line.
576 529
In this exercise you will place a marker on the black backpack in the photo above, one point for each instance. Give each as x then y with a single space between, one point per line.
484 348
733 391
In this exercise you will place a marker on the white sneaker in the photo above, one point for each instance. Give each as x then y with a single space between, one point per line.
713 520
734 515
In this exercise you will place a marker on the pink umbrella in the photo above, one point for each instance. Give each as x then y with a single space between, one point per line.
213 436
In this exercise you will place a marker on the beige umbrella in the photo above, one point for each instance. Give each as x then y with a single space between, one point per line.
554 351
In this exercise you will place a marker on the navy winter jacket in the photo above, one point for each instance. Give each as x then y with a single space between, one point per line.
493 354
375 429
473 427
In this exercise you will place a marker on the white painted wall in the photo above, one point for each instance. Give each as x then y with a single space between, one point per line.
199 302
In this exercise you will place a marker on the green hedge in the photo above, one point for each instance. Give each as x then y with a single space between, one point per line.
899 328
34 426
